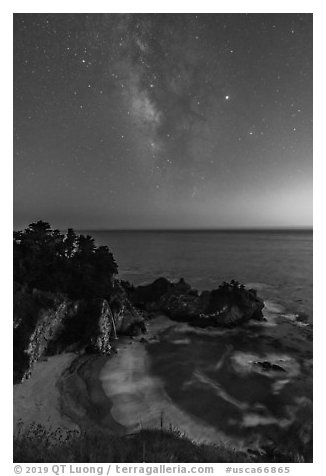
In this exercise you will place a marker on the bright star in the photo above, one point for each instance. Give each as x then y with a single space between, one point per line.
227 97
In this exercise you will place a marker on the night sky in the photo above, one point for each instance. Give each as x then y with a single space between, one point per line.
163 120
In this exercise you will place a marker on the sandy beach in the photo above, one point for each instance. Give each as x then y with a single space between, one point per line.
139 399
64 392
37 400
115 394
174 376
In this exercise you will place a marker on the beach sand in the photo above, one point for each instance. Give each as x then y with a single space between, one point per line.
114 394
64 392
139 399
37 400
82 397
120 394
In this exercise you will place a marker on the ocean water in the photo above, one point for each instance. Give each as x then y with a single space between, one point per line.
277 263
213 375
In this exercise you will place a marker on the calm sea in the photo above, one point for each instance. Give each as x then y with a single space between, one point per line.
277 263
210 374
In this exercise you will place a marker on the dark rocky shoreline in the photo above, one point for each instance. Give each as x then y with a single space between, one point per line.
229 305
69 310
59 324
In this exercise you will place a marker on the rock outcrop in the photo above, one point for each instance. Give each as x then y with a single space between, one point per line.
38 319
48 323
126 318
228 305
267 366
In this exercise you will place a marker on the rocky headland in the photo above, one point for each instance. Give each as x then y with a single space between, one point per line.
58 324
230 304
72 315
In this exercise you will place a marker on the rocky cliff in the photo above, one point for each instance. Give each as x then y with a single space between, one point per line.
47 324
51 323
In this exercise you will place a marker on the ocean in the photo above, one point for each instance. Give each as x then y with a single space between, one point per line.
212 383
277 263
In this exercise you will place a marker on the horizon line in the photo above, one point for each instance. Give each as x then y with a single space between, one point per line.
203 229
271 228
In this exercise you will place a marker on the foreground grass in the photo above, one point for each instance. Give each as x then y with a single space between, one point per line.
38 445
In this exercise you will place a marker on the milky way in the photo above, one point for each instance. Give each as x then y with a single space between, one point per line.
163 120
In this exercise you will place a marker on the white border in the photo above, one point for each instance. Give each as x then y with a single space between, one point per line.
202 6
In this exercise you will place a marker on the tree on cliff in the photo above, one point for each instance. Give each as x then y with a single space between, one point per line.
48 260
70 243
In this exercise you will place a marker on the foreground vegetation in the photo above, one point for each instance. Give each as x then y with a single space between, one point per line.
38 445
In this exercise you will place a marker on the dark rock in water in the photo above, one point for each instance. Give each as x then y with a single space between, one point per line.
302 317
229 305
265 365
278 368
144 296
179 306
